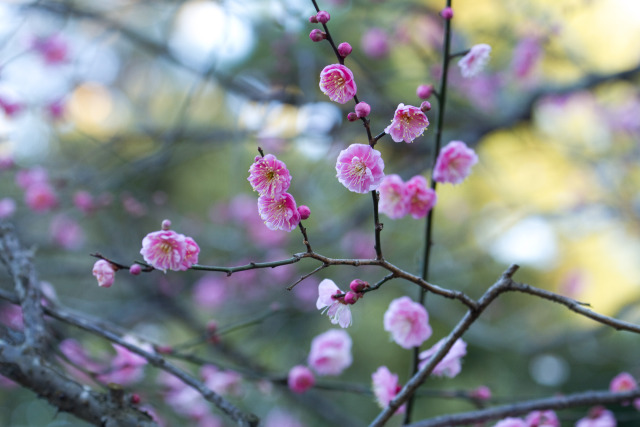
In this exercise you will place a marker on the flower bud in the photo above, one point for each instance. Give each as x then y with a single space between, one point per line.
350 297
425 106
358 285
344 49
166 224
317 35
304 211
323 17
135 398
446 13
352 117
424 91
135 269
313 19
362 109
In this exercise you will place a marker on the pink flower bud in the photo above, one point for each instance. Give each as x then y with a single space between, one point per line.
446 13
164 349
358 285
350 297
135 269
362 109
313 19
352 117
317 35
104 271
304 211
135 398
344 49
481 393
166 224
323 17
425 106
424 91
300 379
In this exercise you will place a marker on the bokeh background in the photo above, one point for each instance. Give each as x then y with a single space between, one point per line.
138 111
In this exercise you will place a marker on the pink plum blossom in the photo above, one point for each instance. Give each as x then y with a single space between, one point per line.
78 356
7 207
221 381
408 322
330 352
25 178
336 81
53 49
83 201
393 197
344 49
525 56
300 379
421 198
104 272
386 387
474 61
360 168
40 197
127 367
542 419
511 422
481 393
279 212
454 163
190 255
164 249
337 309
624 381
450 365
269 176
598 416
408 123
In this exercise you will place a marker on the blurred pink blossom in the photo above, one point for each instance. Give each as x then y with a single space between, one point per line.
454 163
624 381
221 382
337 310
7 207
542 419
54 49
598 416
133 206
78 356
408 123
66 232
393 197
104 271
11 315
375 43
210 291
330 352
360 168
6 162
40 197
450 365
511 422
336 81
408 322
279 418
474 61
83 201
526 55
25 178
421 198
269 176
126 367
300 379
280 212
10 107
386 387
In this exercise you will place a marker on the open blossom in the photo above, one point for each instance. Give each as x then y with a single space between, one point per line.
191 254
330 352
598 416
279 212
104 272
300 379
421 198
336 81
450 365
269 176
542 419
40 197
336 309
360 168
393 197
624 381
127 367
164 249
408 322
408 123
454 163
386 387
474 61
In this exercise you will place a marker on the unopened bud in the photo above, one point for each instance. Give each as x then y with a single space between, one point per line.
344 49
424 91
362 109
166 224
352 117
358 285
446 13
425 106
317 35
350 298
135 269
304 211
323 17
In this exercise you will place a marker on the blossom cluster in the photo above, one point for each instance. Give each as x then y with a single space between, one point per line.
399 198
167 250
271 179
